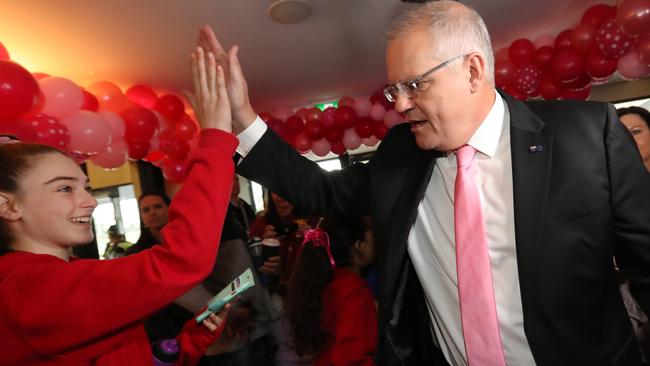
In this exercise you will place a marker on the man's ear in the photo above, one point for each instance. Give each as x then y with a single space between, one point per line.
8 210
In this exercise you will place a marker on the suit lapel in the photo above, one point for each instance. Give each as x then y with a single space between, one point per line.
531 148
404 214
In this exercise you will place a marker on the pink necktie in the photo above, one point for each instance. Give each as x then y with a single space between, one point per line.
476 296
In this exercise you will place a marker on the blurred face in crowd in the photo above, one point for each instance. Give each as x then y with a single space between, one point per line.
53 205
641 133
153 210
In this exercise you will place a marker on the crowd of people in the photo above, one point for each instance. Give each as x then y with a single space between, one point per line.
501 232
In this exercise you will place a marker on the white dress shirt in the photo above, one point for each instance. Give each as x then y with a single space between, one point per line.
431 243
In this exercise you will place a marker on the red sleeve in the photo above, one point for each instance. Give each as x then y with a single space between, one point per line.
355 340
58 306
194 339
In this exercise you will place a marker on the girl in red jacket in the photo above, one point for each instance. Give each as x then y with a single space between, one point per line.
59 310
330 308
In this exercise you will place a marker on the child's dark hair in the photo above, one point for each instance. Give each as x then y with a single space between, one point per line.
15 160
311 273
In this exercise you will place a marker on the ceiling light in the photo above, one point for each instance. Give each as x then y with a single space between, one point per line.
290 11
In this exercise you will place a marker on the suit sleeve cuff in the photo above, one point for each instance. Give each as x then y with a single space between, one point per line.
250 136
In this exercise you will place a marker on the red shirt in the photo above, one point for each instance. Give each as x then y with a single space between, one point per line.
86 312
350 317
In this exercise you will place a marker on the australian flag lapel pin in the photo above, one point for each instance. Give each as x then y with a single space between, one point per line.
535 148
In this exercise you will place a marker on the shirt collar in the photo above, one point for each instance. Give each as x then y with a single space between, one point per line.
487 135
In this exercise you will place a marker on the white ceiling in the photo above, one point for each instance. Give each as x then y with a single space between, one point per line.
338 51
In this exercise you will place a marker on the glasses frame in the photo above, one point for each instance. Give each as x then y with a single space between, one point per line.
409 87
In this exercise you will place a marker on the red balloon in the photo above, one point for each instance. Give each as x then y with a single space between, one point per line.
567 64
514 92
302 113
140 125
580 83
543 56
598 14
313 113
314 129
338 148
264 116
563 39
43 129
521 52
328 117
334 133
172 146
379 129
155 157
170 106
345 116
302 142
364 127
89 102
277 126
550 88
4 55
598 66
527 79
643 49
583 37
174 170
576 94
142 95
349 101
634 17
504 72
185 128
612 42
502 54
19 91
138 149
295 123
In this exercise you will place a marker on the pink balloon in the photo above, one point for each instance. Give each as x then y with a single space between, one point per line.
546 40
631 67
282 113
109 96
62 97
350 139
321 147
362 106
634 17
89 132
142 95
392 118
377 112
370 141
115 123
113 157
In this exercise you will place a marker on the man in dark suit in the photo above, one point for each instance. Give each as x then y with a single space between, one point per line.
558 188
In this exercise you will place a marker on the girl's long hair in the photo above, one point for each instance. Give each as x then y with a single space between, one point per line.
312 273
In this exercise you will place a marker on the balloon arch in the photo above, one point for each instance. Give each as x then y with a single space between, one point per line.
107 126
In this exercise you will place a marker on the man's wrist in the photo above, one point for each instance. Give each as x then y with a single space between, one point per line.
243 119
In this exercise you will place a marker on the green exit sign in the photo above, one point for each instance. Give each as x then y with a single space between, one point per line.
324 106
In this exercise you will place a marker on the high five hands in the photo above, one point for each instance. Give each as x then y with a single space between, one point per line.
235 83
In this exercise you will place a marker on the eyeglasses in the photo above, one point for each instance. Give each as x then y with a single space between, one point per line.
409 88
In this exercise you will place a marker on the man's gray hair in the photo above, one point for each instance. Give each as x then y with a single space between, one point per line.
456 29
